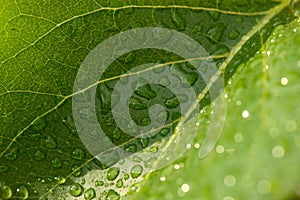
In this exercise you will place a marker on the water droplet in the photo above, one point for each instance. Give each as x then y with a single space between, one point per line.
126 176
143 142
238 137
290 126
99 183
136 171
284 81
119 183
78 154
137 104
164 132
154 149
185 188
245 114
278 152
131 148
145 121
5 192
295 7
112 195
50 142
214 15
89 194
60 179
146 91
76 189
216 32
39 155
109 121
164 81
40 124
22 192
220 149
112 173
233 34
3 168
56 162
76 170
172 103
229 181
264 187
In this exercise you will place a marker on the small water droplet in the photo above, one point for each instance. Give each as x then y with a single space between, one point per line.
172 103
112 195
60 179
284 81
295 7
137 104
22 192
185 188
39 155
76 189
216 32
5 192
229 181
116 133
50 142
264 187
99 183
76 170
126 176
143 142
146 91
112 173
56 162
132 148
136 171
89 194
245 114
164 132
233 34
278 152
119 183
78 154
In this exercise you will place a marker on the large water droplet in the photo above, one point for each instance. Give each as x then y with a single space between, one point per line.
78 154
112 195
22 192
50 142
89 194
295 7
39 155
136 171
76 189
137 104
112 173
5 192
233 34
164 131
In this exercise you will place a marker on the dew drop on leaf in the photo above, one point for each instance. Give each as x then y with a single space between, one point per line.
76 189
89 194
112 173
39 155
146 91
76 170
5 192
233 34
112 195
137 104
172 103
78 154
136 171
164 131
99 183
119 183
50 142
22 192
56 162
143 142
60 179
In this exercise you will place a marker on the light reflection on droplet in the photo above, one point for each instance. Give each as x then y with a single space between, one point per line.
197 145
238 137
162 178
278 152
229 180
245 114
284 81
264 187
228 198
220 149
176 166
290 126
185 188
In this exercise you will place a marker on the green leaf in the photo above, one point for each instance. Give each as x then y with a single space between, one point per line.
43 45
257 155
